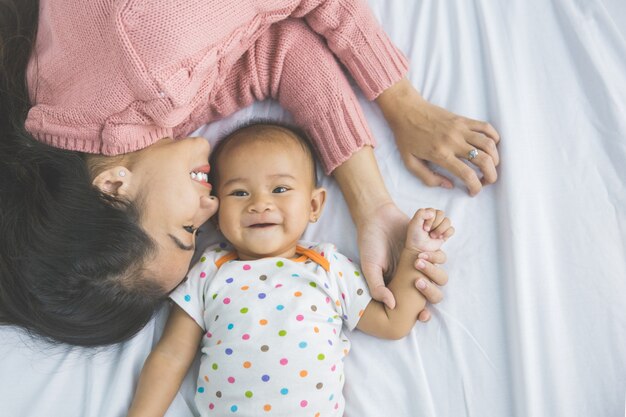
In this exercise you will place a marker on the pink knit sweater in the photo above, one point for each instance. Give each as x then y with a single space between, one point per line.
114 76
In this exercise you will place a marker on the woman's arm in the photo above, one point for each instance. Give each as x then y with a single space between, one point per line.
166 366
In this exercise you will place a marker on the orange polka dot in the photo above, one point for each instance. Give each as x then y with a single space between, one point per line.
267 407
317 414
262 322
303 373
219 342
247 364
297 294
361 313
340 273
206 378
316 329
244 288
337 303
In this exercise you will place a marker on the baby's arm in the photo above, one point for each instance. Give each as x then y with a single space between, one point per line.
167 365
427 231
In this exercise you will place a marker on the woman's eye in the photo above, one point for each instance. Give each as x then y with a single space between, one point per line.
190 229
239 193
279 190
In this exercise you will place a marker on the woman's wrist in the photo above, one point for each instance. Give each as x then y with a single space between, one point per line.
362 185
390 101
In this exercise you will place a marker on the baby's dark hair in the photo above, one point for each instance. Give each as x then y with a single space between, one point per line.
71 257
260 126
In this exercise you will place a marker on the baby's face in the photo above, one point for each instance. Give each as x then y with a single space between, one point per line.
267 196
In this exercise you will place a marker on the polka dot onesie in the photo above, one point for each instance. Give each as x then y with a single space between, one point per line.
273 342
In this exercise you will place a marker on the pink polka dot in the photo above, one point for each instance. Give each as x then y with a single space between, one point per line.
343 296
336 406
231 379
211 406
209 334
303 403
246 267
278 285
202 274
284 361
299 317
328 299
333 368
226 300
245 336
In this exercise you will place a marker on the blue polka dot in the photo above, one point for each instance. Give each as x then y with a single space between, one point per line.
200 390
284 391
330 320
229 280
265 378
331 397
279 307
188 297
295 275
230 326
302 345
233 408
229 351
223 245
262 295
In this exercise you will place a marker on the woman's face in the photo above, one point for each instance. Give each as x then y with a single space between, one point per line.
168 181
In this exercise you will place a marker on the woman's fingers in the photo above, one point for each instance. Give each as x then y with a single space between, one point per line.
421 170
437 275
424 315
485 128
438 257
430 291
464 173
485 144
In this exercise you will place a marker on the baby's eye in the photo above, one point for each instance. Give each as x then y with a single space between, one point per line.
279 190
239 193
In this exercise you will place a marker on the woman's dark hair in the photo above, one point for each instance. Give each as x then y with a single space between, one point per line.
71 257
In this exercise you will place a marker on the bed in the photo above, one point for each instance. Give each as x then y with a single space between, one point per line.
534 319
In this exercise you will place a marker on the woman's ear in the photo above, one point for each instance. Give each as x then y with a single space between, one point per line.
114 181
318 198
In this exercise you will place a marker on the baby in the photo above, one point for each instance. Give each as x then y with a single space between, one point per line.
268 309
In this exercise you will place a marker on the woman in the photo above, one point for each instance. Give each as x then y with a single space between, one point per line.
121 78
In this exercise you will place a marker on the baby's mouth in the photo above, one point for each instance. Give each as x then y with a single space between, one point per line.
262 225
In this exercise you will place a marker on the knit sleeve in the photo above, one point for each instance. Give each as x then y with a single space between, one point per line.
292 64
358 40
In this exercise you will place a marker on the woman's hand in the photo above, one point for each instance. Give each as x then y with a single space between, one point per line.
381 239
381 230
428 133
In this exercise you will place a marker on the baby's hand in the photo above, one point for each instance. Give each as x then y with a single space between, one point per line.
428 230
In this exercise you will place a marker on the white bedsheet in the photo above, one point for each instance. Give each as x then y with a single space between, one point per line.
533 323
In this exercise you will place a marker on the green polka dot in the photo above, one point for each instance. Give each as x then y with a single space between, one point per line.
280 264
244 310
214 366
214 296
248 394
312 284
282 333
357 273
321 357
203 259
